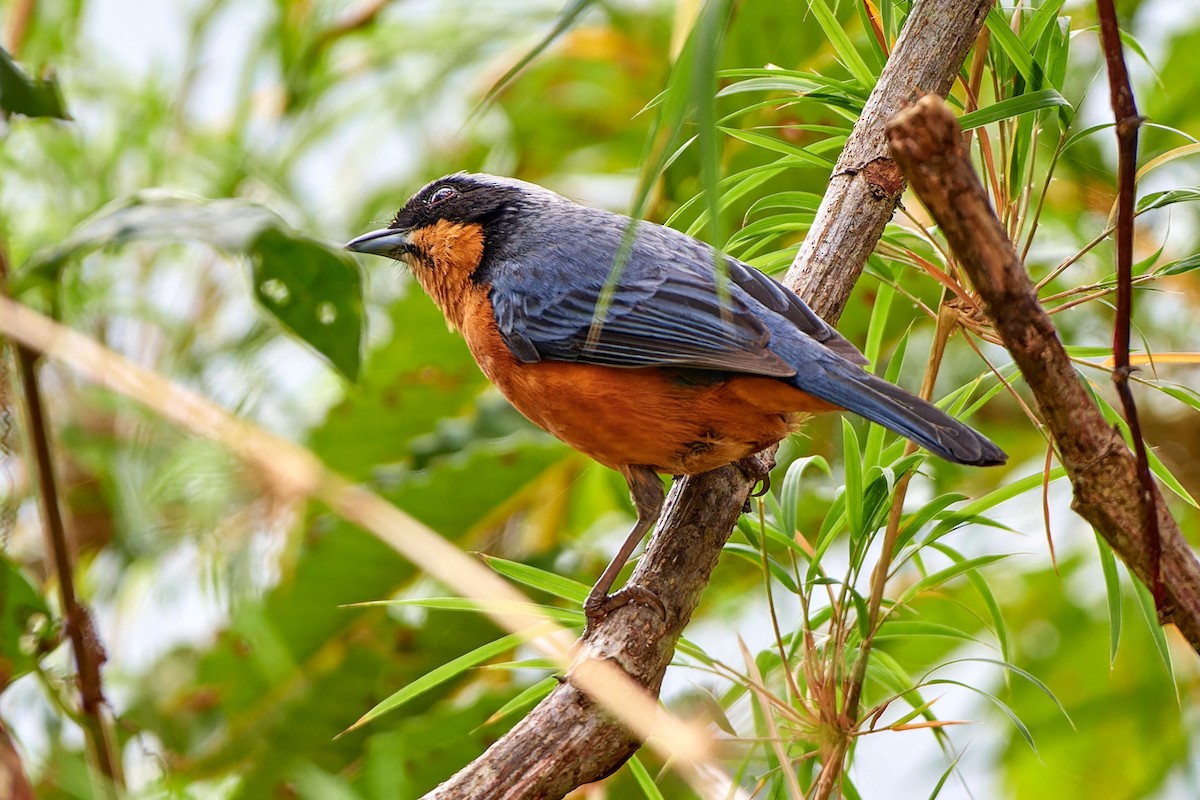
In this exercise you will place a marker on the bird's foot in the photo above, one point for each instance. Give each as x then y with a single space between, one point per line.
599 605
758 468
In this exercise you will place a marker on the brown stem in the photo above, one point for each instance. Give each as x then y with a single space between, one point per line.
927 143
85 643
1128 121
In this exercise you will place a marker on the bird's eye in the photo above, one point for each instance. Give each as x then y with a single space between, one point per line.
443 194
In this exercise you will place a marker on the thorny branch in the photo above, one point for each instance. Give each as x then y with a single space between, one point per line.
85 643
1128 121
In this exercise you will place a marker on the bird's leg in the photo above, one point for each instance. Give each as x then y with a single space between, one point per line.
647 492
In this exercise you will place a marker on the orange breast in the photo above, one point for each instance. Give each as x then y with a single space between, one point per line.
649 416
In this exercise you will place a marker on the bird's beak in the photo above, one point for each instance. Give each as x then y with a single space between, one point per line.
387 242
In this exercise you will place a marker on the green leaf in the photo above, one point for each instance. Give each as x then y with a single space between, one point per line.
854 479
944 575
937 788
755 557
1112 587
802 154
1179 266
564 616
1157 633
1013 107
1010 490
1156 466
440 675
1186 194
644 780
29 97
789 491
1021 727
845 49
314 291
1033 28
903 629
875 328
536 578
524 699
1013 668
23 612
1012 46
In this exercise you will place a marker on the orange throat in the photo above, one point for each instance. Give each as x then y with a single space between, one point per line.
448 254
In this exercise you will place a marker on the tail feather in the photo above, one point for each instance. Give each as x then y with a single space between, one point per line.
857 390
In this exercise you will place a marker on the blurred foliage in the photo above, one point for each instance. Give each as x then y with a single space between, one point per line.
234 659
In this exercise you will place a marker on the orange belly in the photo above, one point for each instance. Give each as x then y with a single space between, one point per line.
649 416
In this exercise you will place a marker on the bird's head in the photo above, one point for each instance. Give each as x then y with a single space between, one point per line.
445 232
445 227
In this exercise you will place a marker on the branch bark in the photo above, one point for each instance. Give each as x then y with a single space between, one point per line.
564 742
927 143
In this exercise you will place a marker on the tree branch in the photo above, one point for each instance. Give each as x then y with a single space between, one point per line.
927 143
564 742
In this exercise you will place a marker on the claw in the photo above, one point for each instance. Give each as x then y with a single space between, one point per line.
598 606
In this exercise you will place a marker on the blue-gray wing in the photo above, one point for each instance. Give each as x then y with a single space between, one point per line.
661 311
778 298
664 308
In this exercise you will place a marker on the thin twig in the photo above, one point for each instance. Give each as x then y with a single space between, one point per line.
1128 121
85 643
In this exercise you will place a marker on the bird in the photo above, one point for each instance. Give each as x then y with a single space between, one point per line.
636 344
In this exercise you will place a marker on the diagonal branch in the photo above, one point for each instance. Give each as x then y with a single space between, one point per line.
564 742
928 144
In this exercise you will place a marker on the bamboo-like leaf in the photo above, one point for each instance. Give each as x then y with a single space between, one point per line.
1021 727
1037 23
847 53
1112 587
944 575
789 491
451 669
644 780
1013 107
937 788
526 698
854 479
541 579
566 616
1157 633
1016 50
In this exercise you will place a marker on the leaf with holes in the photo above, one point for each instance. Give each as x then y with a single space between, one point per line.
315 292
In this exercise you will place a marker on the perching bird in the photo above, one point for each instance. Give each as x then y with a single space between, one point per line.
635 353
